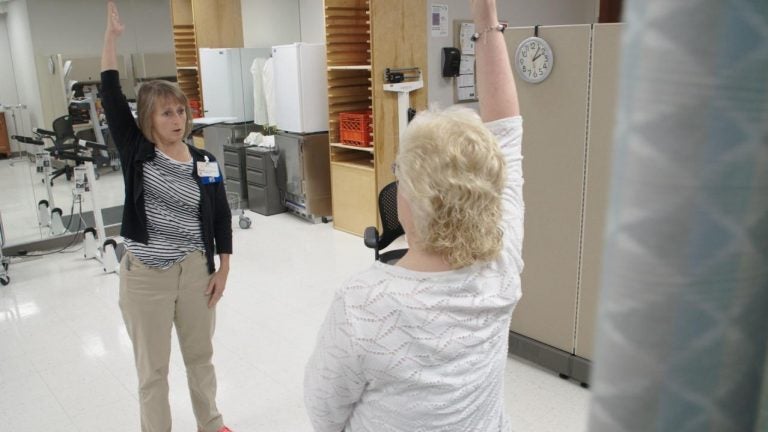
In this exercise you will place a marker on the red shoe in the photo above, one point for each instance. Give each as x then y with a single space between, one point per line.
222 429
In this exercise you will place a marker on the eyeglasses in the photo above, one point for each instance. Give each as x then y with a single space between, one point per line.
394 172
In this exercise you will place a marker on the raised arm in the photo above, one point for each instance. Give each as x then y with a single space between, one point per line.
495 82
122 126
114 29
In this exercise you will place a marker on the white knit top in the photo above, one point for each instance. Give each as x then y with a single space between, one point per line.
409 351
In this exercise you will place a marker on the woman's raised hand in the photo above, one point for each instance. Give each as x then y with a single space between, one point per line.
115 27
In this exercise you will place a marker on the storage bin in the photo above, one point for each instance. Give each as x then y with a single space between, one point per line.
355 128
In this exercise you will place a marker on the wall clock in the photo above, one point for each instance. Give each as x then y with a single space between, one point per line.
534 59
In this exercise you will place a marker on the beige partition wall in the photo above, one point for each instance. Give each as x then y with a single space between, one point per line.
569 121
606 44
555 119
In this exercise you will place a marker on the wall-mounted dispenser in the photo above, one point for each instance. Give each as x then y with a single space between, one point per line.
451 61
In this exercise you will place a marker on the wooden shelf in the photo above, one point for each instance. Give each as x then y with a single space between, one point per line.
350 147
350 67
185 47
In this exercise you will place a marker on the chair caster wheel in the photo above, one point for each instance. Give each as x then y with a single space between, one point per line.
245 222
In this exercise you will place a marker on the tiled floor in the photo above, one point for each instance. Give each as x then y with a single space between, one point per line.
66 363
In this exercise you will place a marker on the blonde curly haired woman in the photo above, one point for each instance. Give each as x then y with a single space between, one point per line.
422 345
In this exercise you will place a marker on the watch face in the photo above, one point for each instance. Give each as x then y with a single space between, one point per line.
534 59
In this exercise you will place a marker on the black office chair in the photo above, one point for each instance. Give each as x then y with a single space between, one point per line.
64 147
64 130
391 228
104 155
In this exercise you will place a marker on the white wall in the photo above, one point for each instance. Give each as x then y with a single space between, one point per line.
25 71
517 13
76 27
8 95
312 21
267 23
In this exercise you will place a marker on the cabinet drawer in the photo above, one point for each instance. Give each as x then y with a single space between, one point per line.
256 177
234 186
232 172
263 201
255 161
231 157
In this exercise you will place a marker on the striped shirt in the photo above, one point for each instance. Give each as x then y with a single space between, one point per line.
172 203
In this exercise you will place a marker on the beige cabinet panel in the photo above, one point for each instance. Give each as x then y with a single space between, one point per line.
555 118
606 42
354 197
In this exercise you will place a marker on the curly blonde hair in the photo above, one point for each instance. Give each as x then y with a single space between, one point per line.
451 171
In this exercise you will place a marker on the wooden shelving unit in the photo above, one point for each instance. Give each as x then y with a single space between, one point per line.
355 83
185 46
202 24
348 53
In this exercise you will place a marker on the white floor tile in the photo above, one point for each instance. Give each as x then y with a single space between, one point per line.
66 361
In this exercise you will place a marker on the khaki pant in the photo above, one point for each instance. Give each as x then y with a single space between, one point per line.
152 301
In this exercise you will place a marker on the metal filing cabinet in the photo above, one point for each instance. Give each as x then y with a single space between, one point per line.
234 171
220 134
263 193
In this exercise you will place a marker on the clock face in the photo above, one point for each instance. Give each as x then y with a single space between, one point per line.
534 59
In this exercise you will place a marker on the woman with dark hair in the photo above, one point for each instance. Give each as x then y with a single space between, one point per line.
175 218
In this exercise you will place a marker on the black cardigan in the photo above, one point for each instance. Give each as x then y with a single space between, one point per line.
134 149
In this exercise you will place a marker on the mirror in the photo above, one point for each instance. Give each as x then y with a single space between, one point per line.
68 36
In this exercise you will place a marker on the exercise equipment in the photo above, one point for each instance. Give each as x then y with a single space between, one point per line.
48 215
106 252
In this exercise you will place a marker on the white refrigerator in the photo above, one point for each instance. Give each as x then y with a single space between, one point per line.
225 75
301 87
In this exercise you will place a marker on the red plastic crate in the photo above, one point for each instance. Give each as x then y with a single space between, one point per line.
355 128
194 106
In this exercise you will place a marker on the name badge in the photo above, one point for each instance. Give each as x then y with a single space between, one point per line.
208 172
